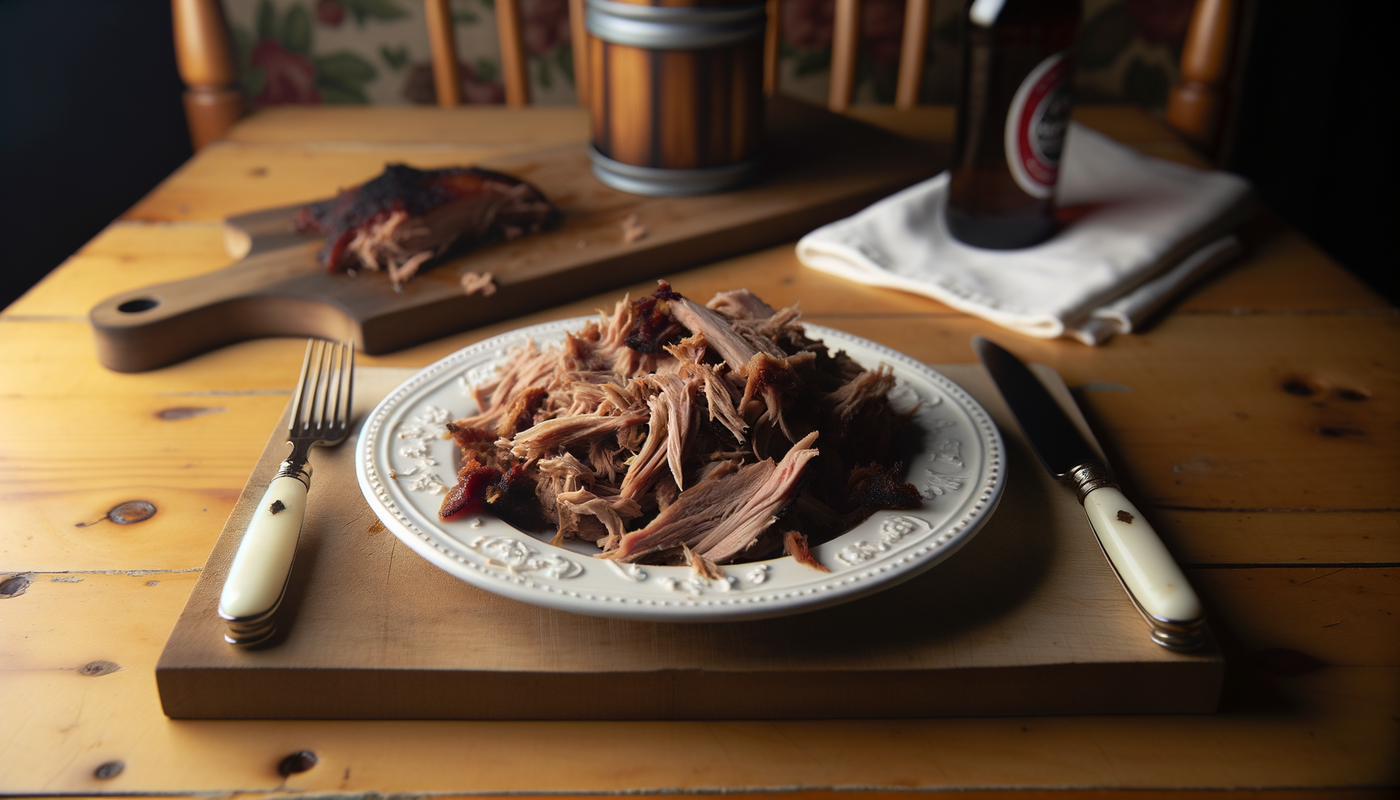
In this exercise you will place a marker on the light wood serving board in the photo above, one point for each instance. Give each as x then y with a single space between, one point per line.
819 167
1027 618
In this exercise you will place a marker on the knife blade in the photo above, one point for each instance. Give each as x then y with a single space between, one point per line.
1144 566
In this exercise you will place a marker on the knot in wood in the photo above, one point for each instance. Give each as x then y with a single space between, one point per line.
131 512
14 586
95 669
300 761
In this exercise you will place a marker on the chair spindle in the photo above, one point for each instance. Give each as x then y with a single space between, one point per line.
911 54
845 40
443 44
578 31
204 57
1196 106
772 47
514 64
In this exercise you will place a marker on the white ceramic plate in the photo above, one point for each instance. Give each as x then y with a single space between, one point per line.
405 464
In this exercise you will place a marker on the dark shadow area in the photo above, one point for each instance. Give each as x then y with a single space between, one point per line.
92 121
1311 133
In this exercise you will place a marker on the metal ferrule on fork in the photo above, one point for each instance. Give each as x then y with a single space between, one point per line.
297 466
256 629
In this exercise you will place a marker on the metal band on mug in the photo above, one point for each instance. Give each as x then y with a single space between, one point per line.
658 182
664 28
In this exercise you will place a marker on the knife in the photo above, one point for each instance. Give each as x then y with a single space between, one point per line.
1142 563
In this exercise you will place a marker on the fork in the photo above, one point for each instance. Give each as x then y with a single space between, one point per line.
258 578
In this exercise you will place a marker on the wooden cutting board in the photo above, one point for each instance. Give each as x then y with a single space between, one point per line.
1027 618
820 167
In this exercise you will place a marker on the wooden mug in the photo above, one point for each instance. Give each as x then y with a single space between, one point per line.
678 98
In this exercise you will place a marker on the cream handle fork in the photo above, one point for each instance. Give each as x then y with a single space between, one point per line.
258 577
319 415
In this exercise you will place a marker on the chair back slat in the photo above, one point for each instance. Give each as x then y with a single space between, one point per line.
514 67
911 54
578 31
845 40
443 44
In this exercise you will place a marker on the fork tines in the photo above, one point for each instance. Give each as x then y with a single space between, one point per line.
321 403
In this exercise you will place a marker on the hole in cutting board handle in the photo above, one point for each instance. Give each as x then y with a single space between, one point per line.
138 305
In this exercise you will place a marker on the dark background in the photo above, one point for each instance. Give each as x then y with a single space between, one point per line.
91 120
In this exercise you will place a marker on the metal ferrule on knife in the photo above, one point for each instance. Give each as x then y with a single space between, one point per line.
1089 476
1176 634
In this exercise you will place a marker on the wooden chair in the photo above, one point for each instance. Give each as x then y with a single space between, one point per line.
514 64
213 102
1195 108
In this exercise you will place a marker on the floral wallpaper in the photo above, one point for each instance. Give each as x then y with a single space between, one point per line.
376 51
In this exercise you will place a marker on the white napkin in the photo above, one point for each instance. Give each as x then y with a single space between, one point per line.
1160 227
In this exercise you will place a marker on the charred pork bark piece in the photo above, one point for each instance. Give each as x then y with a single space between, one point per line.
875 486
490 480
406 217
653 326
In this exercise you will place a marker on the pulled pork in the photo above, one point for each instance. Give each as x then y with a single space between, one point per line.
406 218
677 433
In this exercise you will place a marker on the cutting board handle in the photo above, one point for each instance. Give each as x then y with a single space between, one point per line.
159 325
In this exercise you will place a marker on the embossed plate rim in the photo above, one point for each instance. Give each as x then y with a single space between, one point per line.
496 557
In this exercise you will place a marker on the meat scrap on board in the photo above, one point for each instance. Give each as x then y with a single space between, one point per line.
406 218
671 432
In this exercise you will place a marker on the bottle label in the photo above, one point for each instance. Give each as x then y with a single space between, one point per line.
1036 125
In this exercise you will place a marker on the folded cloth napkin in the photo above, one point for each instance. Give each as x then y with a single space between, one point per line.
1150 229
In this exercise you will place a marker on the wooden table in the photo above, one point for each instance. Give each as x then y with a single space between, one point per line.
1257 422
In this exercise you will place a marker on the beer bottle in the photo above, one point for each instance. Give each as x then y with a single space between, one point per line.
1013 109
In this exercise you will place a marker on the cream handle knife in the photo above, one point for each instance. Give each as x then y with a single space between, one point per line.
1144 566
1154 582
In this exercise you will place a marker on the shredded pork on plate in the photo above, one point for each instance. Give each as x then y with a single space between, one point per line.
678 433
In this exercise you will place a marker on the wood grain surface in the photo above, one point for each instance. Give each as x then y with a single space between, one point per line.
1291 535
